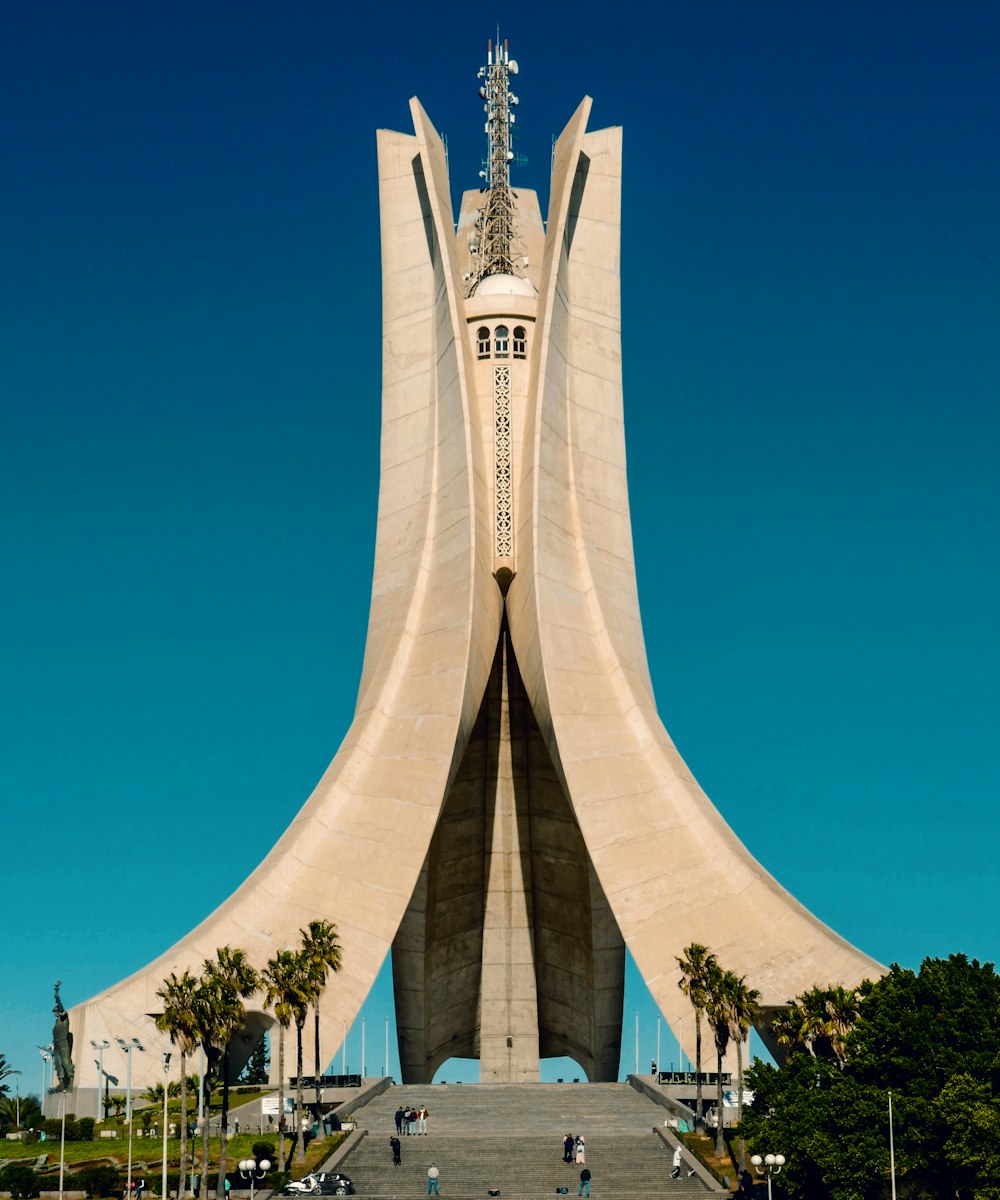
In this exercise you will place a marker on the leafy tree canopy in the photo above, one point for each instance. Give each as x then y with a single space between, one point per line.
931 1037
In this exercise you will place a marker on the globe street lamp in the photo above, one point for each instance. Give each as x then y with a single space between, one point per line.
253 1170
46 1053
771 1163
127 1048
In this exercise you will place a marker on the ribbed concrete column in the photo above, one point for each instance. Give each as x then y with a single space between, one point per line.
508 1008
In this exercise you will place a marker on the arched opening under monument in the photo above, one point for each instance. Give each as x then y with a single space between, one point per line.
508 951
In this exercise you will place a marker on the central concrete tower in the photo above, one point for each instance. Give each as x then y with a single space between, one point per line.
507 811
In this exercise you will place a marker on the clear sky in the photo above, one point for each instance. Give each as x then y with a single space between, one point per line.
189 423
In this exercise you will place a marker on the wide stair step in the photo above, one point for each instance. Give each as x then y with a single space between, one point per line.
484 1136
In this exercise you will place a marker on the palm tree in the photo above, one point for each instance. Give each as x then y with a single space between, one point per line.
819 1021
322 951
744 1012
231 979
842 1007
27 1108
717 1008
697 966
5 1070
178 1019
287 995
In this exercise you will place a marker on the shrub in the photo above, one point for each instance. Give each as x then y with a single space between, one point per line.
85 1129
99 1181
263 1150
52 1127
18 1179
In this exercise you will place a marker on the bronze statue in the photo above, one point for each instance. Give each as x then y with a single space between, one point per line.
62 1047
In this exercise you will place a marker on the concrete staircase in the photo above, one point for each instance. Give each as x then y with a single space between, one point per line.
484 1136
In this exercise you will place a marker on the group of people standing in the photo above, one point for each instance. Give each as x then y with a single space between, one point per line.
411 1121
575 1148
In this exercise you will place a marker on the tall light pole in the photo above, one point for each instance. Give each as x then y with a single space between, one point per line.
127 1048
659 1065
100 1047
772 1164
637 1042
386 1072
892 1151
62 1143
166 1076
17 1098
46 1053
362 1047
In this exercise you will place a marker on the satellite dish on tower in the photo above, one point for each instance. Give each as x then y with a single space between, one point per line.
512 66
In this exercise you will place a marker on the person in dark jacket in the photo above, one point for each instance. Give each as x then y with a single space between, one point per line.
584 1188
568 1143
396 1158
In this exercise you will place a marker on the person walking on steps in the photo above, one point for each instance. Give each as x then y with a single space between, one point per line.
394 1143
676 1172
568 1143
584 1188
399 1120
433 1181
581 1149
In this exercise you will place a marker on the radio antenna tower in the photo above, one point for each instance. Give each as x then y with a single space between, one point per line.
491 244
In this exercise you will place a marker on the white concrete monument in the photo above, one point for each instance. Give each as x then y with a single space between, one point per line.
507 812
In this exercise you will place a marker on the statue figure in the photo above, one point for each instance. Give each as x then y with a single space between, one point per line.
62 1047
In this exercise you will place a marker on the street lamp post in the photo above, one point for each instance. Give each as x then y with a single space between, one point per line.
100 1047
127 1048
166 1076
769 1165
46 1053
62 1143
892 1151
253 1170
17 1098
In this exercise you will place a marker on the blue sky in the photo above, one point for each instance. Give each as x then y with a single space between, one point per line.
189 422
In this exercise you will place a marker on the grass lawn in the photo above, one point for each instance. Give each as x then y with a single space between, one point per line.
148 1152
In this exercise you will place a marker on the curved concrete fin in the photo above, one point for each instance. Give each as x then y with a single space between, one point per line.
354 852
672 870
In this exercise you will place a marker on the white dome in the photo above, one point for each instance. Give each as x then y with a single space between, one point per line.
505 285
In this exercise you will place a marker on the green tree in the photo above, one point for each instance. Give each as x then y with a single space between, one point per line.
18 1179
27 1107
227 980
930 1037
256 1070
6 1071
718 1003
969 1121
322 951
179 1019
697 965
287 994
744 1012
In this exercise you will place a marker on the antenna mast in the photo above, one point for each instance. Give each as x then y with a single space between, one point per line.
491 244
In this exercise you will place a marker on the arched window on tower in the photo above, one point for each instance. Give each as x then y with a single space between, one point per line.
501 342
482 342
520 342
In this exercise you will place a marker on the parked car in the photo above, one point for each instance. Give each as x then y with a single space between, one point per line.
320 1183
